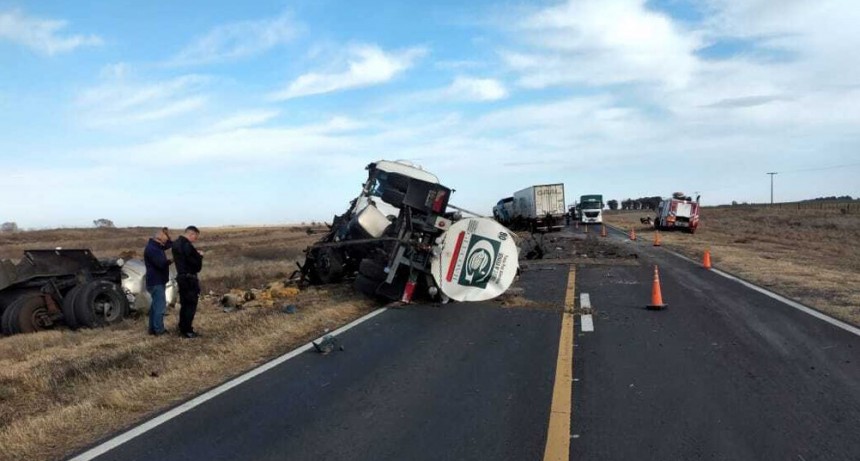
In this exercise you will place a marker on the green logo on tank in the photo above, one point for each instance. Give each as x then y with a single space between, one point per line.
480 258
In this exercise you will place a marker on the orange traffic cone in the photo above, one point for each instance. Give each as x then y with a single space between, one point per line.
632 234
656 294
602 230
706 262
657 239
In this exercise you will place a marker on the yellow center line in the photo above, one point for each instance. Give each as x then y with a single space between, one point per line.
558 436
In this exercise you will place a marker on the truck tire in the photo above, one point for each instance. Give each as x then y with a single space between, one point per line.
32 314
9 320
25 314
366 286
372 269
100 303
328 265
68 307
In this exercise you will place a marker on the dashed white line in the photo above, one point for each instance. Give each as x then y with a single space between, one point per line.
586 322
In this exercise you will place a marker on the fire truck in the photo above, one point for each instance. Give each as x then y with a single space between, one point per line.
678 212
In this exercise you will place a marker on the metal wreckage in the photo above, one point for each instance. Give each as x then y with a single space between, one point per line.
400 238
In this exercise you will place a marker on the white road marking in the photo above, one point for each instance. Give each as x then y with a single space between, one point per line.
584 301
165 417
586 322
778 297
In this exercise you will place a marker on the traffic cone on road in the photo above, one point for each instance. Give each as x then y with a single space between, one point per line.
632 234
602 230
656 295
657 239
706 262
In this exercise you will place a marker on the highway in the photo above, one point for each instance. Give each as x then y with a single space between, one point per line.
725 372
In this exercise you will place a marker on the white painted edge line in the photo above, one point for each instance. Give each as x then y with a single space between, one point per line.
819 315
586 321
163 418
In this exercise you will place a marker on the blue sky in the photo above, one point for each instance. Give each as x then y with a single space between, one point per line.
219 113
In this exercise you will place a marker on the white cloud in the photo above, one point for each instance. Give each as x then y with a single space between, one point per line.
43 35
119 101
598 42
365 65
476 89
239 40
245 119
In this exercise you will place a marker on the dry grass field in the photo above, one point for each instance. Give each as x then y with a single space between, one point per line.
808 254
62 390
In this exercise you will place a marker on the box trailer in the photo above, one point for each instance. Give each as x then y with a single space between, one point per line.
539 207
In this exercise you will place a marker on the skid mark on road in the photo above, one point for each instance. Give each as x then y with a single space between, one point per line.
558 435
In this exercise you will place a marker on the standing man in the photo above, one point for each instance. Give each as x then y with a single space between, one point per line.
189 261
157 275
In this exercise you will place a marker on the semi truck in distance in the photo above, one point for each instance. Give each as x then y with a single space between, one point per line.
540 207
591 209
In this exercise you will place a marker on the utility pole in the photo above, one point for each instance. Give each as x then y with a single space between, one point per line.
771 186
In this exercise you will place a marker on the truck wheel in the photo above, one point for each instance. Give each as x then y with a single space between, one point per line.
366 286
100 303
32 314
26 314
68 306
328 265
372 269
9 321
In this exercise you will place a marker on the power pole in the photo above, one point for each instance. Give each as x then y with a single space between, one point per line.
771 186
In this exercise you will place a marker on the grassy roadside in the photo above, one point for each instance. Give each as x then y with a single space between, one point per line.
62 390
810 255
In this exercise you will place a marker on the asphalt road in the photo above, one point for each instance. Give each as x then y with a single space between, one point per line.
724 373
458 382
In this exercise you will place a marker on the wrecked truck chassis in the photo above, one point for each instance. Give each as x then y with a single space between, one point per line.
50 287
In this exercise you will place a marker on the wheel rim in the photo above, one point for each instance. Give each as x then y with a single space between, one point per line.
34 316
105 308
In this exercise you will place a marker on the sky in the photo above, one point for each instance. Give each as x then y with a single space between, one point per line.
265 112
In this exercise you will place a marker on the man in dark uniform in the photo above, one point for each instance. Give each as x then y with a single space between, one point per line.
188 262
157 277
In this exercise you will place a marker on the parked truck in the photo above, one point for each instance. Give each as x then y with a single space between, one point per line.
504 210
678 212
591 209
539 207
399 239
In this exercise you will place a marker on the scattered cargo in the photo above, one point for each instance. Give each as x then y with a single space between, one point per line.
398 240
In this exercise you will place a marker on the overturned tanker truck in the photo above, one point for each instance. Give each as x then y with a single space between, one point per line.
398 239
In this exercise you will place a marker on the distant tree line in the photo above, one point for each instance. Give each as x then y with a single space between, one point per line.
832 198
642 203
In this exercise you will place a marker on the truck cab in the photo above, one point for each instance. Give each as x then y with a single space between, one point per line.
591 209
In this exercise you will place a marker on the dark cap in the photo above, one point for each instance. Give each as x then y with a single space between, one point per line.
192 229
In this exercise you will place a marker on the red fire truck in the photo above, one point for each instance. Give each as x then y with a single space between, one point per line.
678 212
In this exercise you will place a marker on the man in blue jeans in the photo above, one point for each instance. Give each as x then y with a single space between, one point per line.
157 276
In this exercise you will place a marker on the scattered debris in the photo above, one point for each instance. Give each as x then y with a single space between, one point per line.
326 344
289 309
